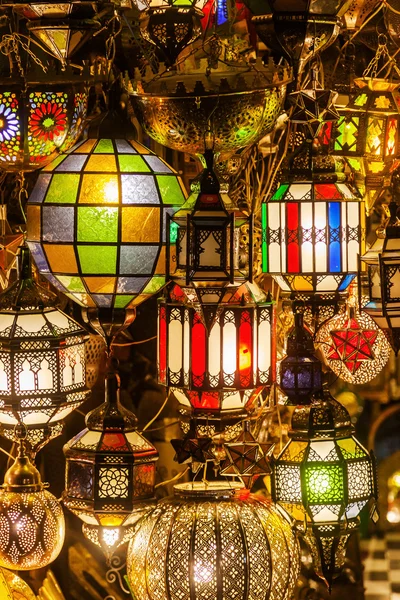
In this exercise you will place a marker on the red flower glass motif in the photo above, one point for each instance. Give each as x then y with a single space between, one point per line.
352 345
48 121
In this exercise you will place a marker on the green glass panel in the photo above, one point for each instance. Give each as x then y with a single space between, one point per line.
347 134
324 484
122 301
173 232
154 285
355 164
73 284
361 100
63 188
280 192
170 190
97 224
97 260
104 147
264 249
132 163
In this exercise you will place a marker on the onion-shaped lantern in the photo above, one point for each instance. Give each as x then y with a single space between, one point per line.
213 540
110 472
42 359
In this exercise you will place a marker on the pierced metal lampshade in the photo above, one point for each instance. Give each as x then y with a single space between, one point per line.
32 524
42 358
110 472
213 540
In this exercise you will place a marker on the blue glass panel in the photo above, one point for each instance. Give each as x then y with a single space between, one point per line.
335 263
54 281
72 163
39 257
346 282
132 285
139 189
137 260
221 12
103 300
39 191
58 223
124 147
157 164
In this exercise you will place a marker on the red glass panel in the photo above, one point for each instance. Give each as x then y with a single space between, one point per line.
162 346
245 349
391 136
113 441
177 294
293 250
327 191
325 133
198 351
202 400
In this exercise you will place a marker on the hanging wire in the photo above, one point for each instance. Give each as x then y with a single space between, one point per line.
156 415
22 192
176 478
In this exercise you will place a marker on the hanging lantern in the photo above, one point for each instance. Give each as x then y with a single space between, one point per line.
352 344
42 358
213 540
357 13
97 222
110 472
38 120
32 524
323 477
300 370
313 234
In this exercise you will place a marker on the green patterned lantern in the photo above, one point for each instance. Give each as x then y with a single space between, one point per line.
97 222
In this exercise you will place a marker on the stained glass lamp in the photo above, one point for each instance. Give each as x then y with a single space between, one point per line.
312 235
300 370
352 345
213 540
32 526
323 477
38 122
42 359
110 472
97 222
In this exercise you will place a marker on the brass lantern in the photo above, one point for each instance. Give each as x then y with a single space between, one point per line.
42 359
110 472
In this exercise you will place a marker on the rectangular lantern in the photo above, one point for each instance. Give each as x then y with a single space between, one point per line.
312 236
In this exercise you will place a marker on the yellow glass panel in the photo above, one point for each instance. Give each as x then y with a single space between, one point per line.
99 189
33 222
101 163
160 267
100 285
139 148
375 166
61 258
295 510
86 147
138 300
140 224
111 520
294 451
301 284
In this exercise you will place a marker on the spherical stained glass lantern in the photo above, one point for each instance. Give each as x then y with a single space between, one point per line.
213 540
97 222
312 236
353 346
32 524
42 358
110 472
37 123
323 477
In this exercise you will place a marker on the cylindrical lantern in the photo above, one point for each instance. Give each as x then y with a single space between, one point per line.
42 357
312 236
32 524
323 476
220 363
110 472
213 541
97 222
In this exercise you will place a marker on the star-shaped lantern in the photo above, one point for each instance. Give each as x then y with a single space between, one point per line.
246 458
353 345
192 450
313 107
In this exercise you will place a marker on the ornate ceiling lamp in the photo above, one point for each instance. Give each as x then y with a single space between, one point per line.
42 360
352 344
32 524
357 13
110 472
213 540
324 477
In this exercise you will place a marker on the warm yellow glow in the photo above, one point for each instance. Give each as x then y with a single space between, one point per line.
111 192
110 536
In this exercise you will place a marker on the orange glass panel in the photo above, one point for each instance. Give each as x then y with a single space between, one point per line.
139 148
86 147
100 285
160 267
140 224
99 189
101 162
61 258
33 222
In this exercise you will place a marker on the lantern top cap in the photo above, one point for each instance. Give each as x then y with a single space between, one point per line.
111 415
25 293
376 84
22 476
324 418
211 490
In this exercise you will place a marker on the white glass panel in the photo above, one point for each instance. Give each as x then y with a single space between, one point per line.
211 252
320 247
37 417
353 251
325 515
320 257
62 414
45 376
7 418
345 190
229 347
283 240
323 449
214 352
3 378
57 318
307 257
274 249
186 344
26 377
6 321
180 396
31 323
264 346
327 284
91 438
282 283
344 242
299 190
175 345
232 401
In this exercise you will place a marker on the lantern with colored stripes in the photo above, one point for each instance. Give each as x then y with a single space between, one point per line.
312 236
219 364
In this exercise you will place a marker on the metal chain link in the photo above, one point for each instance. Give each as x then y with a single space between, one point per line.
10 44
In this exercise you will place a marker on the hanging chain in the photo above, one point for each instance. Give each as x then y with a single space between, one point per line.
10 44
382 52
